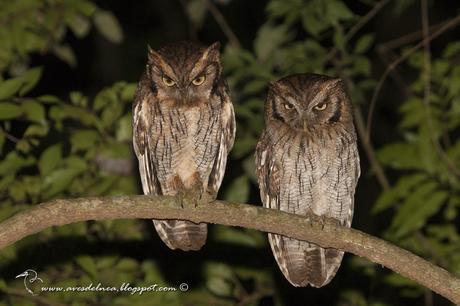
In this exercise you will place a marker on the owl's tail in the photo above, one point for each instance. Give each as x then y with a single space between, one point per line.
184 235
304 263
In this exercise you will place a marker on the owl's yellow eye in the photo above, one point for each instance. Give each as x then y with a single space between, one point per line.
199 80
168 81
288 106
320 107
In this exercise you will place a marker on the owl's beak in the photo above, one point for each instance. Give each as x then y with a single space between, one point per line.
305 125
186 96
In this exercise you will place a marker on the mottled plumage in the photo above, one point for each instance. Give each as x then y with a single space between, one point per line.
307 162
183 130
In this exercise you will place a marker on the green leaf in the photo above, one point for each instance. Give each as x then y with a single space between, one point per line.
400 156
337 11
361 66
124 128
127 264
238 191
196 10
9 111
397 280
364 42
219 286
50 158
218 278
17 191
401 5
49 99
79 25
14 162
108 25
452 49
402 188
9 88
88 264
85 7
36 130
58 180
30 78
83 140
128 92
34 111
417 208
269 38
65 54
23 146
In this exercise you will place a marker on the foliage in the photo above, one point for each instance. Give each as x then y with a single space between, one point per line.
79 144
426 197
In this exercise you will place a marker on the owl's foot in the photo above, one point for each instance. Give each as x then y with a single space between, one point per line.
315 220
322 221
190 199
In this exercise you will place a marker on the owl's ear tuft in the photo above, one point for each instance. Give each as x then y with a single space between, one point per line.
274 87
212 53
335 82
153 56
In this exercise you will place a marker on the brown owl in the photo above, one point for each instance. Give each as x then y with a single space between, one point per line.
307 163
183 130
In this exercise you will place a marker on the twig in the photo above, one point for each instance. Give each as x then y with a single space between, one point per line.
9 136
362 22
369 149
321 231
408 38
223 24
386 55
447 26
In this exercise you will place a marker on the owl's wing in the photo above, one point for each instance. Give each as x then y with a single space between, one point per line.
227 138
268 173
143 149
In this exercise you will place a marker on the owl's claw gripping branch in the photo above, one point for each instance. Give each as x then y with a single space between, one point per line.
189 199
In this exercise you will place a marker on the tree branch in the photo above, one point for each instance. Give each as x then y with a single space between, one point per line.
324 232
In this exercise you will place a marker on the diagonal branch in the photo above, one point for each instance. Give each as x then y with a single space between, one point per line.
324 232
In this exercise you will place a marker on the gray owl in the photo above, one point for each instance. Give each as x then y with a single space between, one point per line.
307 163
183 130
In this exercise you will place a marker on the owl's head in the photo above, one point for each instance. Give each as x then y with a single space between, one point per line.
305 102
184 73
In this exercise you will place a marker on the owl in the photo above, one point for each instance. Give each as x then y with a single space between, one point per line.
307 162
183 130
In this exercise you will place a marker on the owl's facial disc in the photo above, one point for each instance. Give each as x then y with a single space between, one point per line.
184 74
